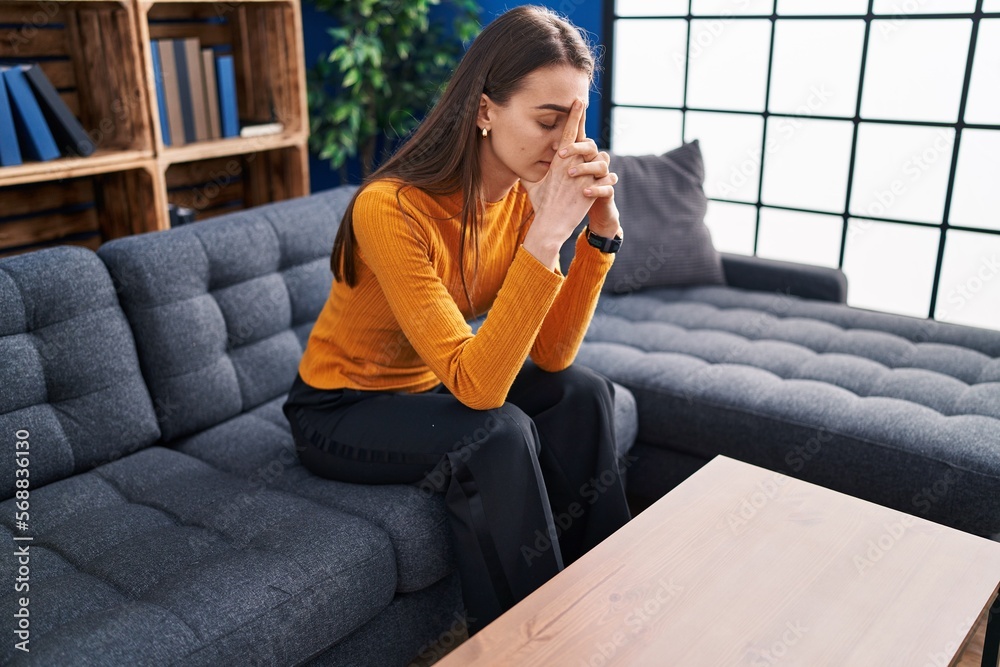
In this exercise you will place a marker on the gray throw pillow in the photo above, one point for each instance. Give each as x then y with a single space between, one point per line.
662 203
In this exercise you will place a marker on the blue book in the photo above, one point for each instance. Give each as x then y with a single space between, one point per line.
184 86
69 134
10 152
161 95
226 76
35 136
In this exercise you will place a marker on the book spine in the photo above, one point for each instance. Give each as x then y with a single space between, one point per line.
261 130
211 93
66 128
172 92
34 133
161 101
180 215
227 96
184 86
199 105
10 151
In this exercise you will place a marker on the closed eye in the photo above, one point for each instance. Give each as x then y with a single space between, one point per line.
547 127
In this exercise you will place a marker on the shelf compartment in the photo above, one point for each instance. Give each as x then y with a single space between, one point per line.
219 185
265 41
90 53
85 210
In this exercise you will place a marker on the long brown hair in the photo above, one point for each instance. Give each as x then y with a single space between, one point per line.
442 156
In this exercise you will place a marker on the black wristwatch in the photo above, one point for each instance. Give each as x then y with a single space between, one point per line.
604 244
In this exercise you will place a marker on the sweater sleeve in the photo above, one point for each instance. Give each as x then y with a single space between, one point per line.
566 323
478 369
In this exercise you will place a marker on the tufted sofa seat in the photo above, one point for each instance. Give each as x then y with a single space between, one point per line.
901 411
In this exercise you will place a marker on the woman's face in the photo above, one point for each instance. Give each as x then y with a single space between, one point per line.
524 134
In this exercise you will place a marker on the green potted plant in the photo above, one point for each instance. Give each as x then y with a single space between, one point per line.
387 66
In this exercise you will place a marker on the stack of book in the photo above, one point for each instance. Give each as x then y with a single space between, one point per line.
35 124
195 91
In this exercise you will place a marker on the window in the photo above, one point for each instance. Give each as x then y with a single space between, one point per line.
859 134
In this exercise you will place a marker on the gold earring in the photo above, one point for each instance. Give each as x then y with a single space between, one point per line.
484 131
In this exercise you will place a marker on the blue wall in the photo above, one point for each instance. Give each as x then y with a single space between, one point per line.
586 14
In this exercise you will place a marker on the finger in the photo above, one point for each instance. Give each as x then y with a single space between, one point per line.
572 128
610 179
582 130
597 169
599 191
586 148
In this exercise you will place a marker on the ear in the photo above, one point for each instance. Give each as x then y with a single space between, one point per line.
485 112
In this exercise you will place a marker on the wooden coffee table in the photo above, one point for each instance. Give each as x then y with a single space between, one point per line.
739 565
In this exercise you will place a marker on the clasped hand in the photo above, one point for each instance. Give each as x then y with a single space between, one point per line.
578 182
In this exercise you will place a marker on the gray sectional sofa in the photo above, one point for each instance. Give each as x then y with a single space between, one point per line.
896 410
170 522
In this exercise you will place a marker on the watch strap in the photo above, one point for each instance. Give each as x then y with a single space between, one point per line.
602 243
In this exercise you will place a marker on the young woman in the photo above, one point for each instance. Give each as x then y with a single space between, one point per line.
468 216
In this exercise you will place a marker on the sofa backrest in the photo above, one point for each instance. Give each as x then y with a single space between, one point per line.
70 385
221 309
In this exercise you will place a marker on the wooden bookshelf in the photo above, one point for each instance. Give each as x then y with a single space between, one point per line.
97 54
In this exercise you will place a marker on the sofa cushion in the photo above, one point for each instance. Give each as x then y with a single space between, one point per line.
257 446
221 311
158 558
70 378
901 411
423 625
662 203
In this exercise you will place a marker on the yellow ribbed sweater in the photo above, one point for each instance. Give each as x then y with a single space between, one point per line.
403 326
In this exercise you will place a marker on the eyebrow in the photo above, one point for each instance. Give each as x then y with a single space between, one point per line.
554 107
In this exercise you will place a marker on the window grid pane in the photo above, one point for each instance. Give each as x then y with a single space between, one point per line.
890 267
815 67
829 7
901 171
649 61
727 64
651 7
799 237
970 280
732 7
908 145
645 131
976 197
984 92
806 163
732 226
915 69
